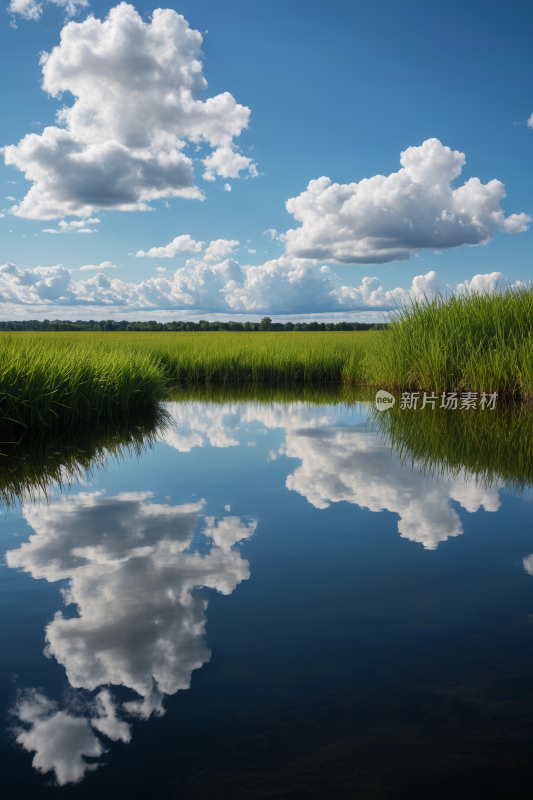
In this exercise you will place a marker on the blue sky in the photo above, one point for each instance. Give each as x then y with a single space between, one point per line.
336 91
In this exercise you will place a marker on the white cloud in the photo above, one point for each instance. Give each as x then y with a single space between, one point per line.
272 232
530 121
282 286
180 244
528 562
11 199
218 249
31 9
492 282
103 265
106 720
79 226
252 251
227 187
383 219
136 87
13 182
227 163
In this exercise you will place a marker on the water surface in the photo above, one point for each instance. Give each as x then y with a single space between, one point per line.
263 598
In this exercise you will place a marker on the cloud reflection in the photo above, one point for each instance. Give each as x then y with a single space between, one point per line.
140 623
339 464
349 464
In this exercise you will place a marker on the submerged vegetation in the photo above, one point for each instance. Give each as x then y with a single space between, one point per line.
472 341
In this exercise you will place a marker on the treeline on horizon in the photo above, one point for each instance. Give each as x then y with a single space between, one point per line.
266 324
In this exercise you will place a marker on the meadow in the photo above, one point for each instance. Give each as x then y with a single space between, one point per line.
478 342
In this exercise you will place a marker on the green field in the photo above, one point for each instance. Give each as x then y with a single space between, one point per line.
469 342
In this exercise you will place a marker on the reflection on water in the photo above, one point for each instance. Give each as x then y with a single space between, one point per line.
139 623
133 572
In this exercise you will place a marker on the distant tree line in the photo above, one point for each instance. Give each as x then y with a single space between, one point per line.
266 324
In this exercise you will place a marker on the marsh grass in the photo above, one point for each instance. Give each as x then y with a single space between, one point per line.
471 341
60 382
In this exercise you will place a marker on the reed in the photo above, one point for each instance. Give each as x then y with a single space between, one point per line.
57 381
474 340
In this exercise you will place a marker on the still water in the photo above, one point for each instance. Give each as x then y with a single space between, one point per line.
270 599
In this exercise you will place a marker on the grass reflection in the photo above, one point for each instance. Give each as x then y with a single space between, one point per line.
486 446
40 460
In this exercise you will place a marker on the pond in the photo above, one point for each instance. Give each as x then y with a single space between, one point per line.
270 596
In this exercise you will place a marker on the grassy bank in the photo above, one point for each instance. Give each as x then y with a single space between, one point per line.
472 341
63 378
52 381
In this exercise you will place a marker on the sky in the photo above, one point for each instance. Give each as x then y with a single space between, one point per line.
300 160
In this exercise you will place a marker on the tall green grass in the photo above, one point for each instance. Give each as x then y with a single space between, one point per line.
475 341
57 381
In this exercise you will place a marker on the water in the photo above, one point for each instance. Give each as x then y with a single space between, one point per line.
270 600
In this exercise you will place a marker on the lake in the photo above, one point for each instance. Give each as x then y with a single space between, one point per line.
270 597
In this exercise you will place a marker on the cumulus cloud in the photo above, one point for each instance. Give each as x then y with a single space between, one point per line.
530 121
137 105
79 226
106 720
227 187
281 286
528 562
225 161
31 9
93 267
181 244
383 219
218 249
11 199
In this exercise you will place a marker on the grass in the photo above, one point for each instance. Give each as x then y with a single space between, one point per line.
58 381
472 341
51 378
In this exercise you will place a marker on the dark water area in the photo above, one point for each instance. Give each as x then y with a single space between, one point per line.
270 597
